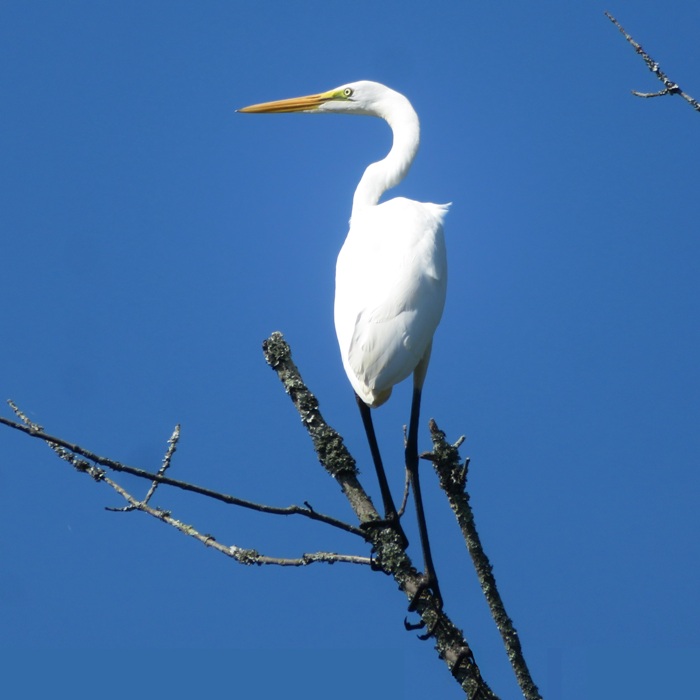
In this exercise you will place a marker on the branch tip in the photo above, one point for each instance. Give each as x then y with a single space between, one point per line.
670 87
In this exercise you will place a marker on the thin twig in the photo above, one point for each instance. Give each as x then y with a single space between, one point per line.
172 446
453 480
406 489
240 554
37 431
407 478
670 87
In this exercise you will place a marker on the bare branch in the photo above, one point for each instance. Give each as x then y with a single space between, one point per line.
453 481
329 445
392 558
406 489
37 431
241 555
670 87
172 446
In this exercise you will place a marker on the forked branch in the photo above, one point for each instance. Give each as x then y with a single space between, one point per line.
37 431
670 87
76 456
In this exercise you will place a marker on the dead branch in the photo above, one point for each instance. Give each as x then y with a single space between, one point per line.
240 554
452 473
392 557
37 431
670 87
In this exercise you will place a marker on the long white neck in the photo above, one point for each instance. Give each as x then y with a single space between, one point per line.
387 173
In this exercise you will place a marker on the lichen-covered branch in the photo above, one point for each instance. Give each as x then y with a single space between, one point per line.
392 558
172 446
670 87
452 473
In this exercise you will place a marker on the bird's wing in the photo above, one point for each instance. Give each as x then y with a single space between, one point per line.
390 292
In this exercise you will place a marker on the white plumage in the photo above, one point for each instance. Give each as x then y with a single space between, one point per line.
390 285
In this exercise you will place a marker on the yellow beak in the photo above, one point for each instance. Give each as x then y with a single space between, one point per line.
307 103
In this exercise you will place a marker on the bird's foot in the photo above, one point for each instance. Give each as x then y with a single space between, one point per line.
427 583
429 629
465 656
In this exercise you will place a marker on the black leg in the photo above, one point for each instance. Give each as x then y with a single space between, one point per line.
390 512
412 467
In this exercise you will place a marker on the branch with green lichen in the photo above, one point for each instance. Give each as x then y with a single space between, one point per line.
391 555
452 473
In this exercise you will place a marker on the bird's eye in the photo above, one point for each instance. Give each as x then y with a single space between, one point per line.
347 92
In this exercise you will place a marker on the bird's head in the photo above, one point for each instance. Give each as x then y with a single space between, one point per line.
362 97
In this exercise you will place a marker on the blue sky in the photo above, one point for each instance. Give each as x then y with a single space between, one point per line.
152 238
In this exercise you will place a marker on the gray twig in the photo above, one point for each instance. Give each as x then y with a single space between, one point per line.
240 554
172 446
670 87
406 490
36 431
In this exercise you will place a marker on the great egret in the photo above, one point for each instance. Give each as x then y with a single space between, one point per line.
391 277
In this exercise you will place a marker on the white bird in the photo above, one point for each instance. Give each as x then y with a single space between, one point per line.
391 275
